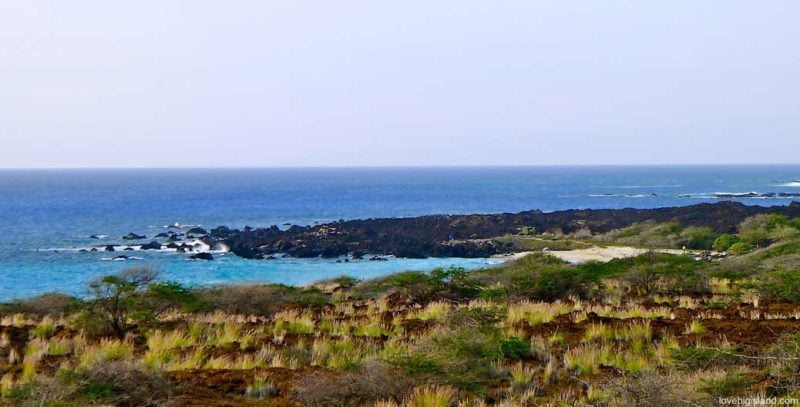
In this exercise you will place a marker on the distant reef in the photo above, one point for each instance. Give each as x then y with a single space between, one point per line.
466 235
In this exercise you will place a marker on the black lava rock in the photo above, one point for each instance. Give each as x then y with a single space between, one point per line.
201 256
151 246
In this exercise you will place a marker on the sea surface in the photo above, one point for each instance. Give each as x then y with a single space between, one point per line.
46 216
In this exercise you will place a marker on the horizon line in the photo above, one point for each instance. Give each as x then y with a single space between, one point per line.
433 166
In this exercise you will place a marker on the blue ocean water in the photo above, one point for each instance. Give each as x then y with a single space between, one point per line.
46 215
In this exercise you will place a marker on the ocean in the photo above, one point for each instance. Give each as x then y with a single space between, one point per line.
47 216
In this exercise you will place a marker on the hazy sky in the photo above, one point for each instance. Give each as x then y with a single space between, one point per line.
302 83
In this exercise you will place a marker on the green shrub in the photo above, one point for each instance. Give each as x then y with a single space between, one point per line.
135 297
732 384
695 237
515 348
780 284
313 297
665 273
724 242
493 294
779 250
418 286
763 229
456 280
266 299
693 358
661 235
740 248
551 284
53 304
787 372
461 353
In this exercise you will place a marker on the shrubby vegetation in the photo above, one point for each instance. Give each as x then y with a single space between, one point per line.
656 329
664 235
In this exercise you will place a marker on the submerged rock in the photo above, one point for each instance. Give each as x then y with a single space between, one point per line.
201 256
133 236
109 248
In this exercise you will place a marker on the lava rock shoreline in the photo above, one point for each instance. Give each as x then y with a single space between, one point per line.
467 236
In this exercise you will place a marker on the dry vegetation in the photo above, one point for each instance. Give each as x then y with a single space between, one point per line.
657 329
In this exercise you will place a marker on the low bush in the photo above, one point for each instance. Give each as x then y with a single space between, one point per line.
372 382
724 242
779 284
665 274
263 300
460 354
730 385
53 304
740 248
120 383
694 358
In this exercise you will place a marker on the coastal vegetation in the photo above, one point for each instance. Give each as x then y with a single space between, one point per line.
654 329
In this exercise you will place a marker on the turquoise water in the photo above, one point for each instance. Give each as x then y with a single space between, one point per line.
47 215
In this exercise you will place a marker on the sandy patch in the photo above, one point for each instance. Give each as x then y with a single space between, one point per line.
603 254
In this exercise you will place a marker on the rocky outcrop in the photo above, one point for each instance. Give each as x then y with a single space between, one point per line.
466 235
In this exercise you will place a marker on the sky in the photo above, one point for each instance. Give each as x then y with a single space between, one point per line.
375 83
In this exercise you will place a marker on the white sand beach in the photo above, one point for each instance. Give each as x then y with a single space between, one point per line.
604 253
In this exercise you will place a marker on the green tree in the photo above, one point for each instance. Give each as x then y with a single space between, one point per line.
135 297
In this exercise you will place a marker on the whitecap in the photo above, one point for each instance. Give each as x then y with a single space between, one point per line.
647 186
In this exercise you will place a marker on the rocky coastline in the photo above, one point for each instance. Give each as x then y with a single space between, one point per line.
463 235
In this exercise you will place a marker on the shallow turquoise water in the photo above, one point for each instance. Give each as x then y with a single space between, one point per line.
55 209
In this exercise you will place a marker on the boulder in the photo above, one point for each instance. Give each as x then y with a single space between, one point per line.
196 231
109 248
201 256
151 246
